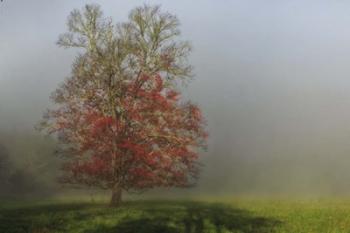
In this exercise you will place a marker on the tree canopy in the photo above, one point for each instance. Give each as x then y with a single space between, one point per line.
119 116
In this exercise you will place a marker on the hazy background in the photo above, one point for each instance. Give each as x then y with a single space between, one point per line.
272 77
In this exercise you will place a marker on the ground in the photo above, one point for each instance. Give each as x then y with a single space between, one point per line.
185 216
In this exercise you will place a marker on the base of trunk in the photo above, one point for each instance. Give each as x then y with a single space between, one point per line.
116 199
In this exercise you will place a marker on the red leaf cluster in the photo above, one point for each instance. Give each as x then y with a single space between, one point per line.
148 139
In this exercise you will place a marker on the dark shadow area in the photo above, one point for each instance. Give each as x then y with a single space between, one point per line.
44 218
134 217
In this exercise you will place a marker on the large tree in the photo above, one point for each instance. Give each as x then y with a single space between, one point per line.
119 116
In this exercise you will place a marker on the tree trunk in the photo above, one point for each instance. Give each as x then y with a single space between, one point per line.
116 199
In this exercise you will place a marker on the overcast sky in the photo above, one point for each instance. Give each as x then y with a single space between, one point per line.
272 77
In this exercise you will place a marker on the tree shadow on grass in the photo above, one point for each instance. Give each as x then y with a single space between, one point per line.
134 217
188 217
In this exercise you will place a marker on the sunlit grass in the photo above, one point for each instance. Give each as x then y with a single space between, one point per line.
227 215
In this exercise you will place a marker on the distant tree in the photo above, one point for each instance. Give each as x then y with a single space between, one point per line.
119 117
4 167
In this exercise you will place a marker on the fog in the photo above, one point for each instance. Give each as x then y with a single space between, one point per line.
272 78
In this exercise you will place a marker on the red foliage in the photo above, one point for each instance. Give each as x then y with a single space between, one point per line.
150 139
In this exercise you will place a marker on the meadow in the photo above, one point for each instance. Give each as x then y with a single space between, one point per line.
177 216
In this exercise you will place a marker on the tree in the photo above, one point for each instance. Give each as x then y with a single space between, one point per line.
119 116
4 167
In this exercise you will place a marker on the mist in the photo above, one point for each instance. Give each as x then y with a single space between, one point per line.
272 78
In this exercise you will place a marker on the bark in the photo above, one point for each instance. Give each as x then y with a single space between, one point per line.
116 199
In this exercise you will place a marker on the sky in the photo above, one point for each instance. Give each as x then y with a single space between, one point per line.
272 78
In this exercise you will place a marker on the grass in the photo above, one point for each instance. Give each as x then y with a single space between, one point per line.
237 215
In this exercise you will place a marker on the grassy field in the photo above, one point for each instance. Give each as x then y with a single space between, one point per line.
236 215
